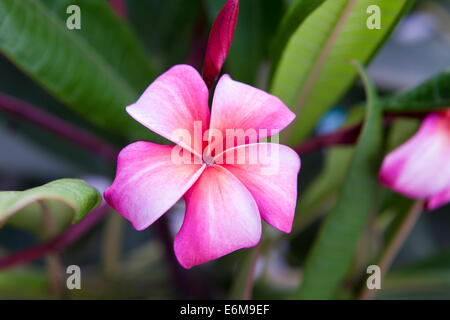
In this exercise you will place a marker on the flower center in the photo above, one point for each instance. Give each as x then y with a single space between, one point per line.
208 160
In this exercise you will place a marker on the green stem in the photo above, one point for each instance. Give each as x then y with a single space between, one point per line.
248 289
394 246
112 248
242 287
55 270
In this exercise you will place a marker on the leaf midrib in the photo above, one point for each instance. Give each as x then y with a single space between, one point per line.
320 62
86 49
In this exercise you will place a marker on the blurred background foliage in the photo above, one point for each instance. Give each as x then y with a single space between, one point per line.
86 77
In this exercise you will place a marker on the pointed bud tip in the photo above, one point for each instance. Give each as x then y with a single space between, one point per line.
219 41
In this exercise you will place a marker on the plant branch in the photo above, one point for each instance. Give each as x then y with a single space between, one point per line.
53 262
346 136
248 289
61 128
57 244
395 245
112 244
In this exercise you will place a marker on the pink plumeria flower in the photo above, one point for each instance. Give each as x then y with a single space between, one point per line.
225 200
420 168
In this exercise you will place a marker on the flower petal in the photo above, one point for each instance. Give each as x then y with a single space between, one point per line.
242 107
270 173
439 199
219 41
148 183
420 168
176 100
221 217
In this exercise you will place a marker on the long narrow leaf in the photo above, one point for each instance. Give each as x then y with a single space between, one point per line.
314 71
97 70
428 96
333 250
296 14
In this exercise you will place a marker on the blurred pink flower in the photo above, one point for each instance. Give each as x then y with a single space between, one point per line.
224 200
420 168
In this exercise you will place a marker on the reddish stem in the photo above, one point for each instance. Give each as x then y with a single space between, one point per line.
341 137
346 136
36 116
57 244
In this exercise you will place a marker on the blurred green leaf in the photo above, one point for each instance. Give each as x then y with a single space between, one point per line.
22 209
400 131
437 262
97 70
24 284
246 52
296 14
314 71
167 28
430 95
112 38
333 250
321 194
424 279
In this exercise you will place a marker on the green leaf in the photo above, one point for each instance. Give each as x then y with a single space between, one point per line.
321 194
96 71
296 14
246 51
436 262
69 200
401 130
314 71
422 279
333 250
24 284
158 21
431 95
